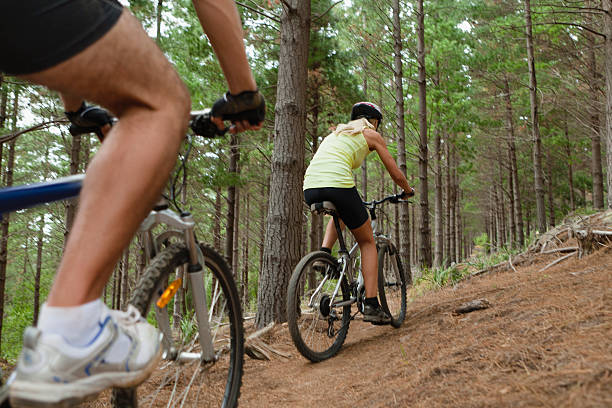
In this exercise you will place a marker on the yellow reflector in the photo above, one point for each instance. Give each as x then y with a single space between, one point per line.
168 293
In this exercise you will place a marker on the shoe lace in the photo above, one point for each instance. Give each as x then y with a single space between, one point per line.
130 317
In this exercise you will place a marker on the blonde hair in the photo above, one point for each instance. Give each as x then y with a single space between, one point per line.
354 127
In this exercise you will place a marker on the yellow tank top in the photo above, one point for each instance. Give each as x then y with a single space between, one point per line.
339 154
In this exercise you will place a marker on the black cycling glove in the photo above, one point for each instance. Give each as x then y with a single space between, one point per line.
247 105
88 119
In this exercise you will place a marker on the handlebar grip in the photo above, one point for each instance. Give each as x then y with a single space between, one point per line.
201 125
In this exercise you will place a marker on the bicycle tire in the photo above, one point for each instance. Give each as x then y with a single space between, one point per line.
310 327
392 284
149 287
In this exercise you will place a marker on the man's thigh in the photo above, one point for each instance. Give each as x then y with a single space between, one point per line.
120 69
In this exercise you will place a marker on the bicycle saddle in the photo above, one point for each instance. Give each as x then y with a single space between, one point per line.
325 207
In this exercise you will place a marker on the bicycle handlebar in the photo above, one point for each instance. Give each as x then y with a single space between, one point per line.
394 199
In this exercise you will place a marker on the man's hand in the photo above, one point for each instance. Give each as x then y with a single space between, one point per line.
90 119
246 111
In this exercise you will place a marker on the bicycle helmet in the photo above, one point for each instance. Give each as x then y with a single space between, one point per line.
366 110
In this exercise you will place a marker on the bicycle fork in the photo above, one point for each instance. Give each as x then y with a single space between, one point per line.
184 223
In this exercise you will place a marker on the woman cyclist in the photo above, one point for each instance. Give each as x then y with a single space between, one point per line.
329 178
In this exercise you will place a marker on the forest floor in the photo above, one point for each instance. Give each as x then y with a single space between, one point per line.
545 341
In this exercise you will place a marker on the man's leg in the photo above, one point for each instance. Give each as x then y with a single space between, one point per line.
80 347
125 72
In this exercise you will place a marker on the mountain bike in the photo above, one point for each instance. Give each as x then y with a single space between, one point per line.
175 259
323 288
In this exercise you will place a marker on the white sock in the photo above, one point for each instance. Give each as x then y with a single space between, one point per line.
77 324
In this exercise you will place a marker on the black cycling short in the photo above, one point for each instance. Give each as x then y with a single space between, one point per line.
347 201
38 34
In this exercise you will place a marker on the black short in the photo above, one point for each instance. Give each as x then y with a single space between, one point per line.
38 34
347 201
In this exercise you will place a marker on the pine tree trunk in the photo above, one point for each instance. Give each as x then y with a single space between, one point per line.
244 282
439 209
231 201
425 232
594 89
283 232
398 74
551 203
75 165
39 255
535 126
236 246
364 165
217 220
517 204
125 285
447 202
4 223
607 17
511 205
570 171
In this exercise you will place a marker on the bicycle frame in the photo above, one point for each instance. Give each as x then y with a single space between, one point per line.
30 195
26 196
346 256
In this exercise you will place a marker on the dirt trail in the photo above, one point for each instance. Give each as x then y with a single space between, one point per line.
546 341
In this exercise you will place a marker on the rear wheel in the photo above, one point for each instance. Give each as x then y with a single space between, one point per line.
214 384
317 327
392 284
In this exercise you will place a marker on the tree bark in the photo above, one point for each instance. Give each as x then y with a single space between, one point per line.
244 282
217 221
404 215
231 201
607 5
283 232
535 126
448 202
551 201
570 171
425 232
517 203
4 224
39 256
75 165
594 88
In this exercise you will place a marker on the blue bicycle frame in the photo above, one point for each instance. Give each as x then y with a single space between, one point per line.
30 195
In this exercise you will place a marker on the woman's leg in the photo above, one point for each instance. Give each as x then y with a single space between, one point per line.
369 257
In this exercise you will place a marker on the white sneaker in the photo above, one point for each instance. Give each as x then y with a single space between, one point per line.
53 373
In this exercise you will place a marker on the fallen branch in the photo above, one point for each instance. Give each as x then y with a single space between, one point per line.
566 249
556 261
257 349
473 305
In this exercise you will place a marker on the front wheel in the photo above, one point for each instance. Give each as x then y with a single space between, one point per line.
219 381
392 284
317 327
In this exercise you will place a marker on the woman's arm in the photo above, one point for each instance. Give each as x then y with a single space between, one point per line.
375 141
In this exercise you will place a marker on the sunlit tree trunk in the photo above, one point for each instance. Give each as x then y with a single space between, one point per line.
231 201
424 230
516 200
283 232
4 224
607 17
75 166
404 217
535 126
570 171
39 256
595 126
